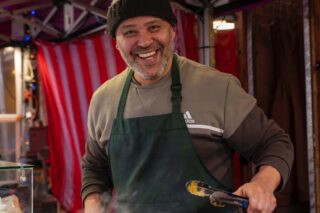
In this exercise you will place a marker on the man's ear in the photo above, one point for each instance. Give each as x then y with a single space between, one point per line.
117 44
174 29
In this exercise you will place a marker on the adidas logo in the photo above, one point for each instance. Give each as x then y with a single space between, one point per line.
187 117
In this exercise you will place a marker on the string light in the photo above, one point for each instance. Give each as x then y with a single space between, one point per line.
33 13
225 23
27 38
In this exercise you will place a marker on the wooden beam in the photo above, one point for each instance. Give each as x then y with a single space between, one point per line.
89 8
34 7
101 28
79 19
36 23
236 6
9 3
198 10
47 19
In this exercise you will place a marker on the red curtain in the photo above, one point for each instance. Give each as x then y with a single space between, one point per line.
226 51
70 72
186 42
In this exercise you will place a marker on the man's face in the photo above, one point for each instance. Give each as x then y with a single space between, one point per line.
146 45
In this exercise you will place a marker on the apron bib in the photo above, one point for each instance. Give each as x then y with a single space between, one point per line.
153 157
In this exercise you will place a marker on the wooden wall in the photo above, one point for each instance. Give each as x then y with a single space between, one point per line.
271 45
279 86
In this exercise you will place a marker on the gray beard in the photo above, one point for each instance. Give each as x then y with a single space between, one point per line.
137 69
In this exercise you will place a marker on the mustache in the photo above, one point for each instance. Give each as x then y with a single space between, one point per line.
152 47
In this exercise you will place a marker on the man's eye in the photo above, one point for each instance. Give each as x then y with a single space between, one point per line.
154 28
129 33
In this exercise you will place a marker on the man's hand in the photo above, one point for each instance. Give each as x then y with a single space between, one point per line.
93 203
260 190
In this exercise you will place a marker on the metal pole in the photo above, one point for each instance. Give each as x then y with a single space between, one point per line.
309 116
250 55
208 37
18 81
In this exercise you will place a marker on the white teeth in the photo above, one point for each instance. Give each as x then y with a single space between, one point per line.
145 55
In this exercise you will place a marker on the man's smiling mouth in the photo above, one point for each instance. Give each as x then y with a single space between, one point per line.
146 55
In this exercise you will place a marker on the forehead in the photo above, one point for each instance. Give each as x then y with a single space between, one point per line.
140 21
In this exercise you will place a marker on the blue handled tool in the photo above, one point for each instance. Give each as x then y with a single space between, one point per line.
217 198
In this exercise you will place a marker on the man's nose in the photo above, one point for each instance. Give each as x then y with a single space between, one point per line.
145 39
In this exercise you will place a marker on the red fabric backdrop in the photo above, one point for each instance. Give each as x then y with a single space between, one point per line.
226 51
70 72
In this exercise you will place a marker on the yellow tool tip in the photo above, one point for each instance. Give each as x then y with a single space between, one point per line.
193 188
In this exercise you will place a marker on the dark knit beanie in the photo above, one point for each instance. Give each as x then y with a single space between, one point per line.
121 10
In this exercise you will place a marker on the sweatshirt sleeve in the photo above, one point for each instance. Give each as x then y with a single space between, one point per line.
96 175
263 142
96 172
238 104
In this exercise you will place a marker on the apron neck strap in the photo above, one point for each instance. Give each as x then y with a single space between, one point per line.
124 95
175 90
175 86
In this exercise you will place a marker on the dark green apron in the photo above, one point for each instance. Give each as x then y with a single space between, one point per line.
152 158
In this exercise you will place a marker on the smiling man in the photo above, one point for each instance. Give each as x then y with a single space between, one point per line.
166 120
